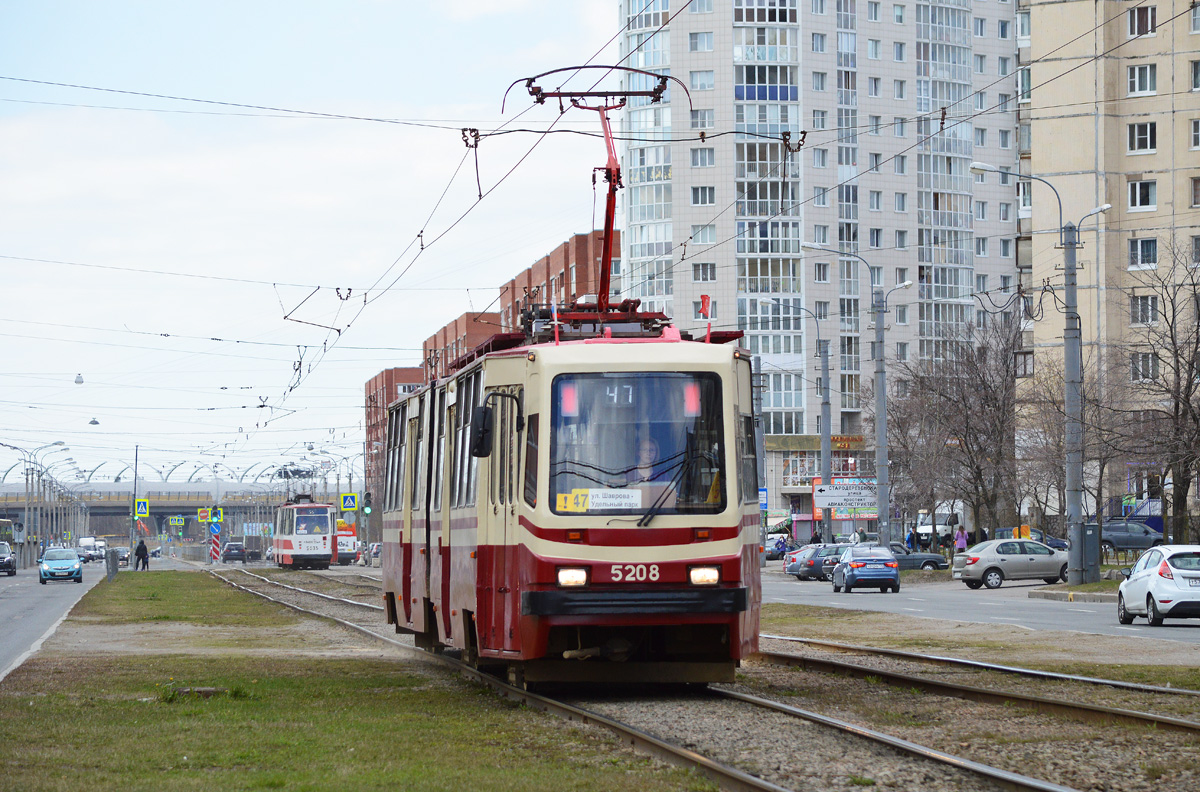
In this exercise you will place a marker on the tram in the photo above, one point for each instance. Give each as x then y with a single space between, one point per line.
304 533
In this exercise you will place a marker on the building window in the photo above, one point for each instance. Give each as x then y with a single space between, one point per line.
898 127
1005 212
1005 138
702 80
1025 195
900 88
1196 75
875 200
876 276
981 100
899 54
875 237
1003 66
701 7
1196 19
901 202
1143 309
703 158
821 272
872 12
1003 30
1143 138
820 118
901 314
704 271
821 309
820 158
1005 174
873 84
1006 284
818 7
1024 86
980 137
818 42
1195 192
898 14
1002 102
901 240
901 348
901 275
700 42
981 210
702 119
818 79
1142 21
1196 133
820 196
704 196
1023 24
698 309
821 235
873 161
1143 366
900 164
981 247
1196 251
1006 248
1024 363
980 27
981 64
873 124
1143 253
704 234
1143 196
1143 79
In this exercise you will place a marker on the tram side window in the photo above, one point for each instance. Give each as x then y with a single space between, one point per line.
464 463
505 453
531 459
439 449
748 474
419 447
396 461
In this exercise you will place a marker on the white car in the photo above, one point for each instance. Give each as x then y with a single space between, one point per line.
1163 584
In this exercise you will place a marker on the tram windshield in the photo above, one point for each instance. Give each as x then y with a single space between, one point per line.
312 521
628 442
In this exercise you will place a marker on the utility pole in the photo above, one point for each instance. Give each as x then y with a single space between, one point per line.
826 439
1077 566
882 496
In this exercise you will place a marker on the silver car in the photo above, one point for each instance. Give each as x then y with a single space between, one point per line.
991 563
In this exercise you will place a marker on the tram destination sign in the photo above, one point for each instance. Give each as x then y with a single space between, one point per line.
858 495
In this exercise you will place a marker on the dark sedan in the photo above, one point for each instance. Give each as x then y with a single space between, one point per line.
233 551
913 559
8 562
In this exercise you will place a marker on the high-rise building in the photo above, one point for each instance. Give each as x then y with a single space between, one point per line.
845 124
1113 92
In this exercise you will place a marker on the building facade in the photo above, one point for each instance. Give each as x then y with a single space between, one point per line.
571 270
380 391
842 124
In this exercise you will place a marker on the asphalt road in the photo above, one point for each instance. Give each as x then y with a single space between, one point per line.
1009 604
29 610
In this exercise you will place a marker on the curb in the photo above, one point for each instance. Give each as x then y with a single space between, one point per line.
1073 596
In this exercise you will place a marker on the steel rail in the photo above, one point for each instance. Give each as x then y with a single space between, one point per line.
306 591
1005 778
723 776
1076 710
982 666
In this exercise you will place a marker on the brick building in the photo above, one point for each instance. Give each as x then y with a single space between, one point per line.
381 390
455 339
570 270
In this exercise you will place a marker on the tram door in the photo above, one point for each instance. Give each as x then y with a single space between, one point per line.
501 495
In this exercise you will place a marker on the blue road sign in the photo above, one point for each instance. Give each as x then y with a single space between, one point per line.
141 507
349 503
214 528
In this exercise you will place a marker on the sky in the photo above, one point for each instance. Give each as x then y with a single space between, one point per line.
210 213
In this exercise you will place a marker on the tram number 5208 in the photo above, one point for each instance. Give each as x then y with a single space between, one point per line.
631 573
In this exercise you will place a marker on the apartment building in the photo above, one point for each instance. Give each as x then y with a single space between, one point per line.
570 270
1113 93
845 124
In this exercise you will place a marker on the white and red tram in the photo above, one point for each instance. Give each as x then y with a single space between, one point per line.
304 534
583 510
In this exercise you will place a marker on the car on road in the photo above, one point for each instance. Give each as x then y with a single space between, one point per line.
60 563
1127 535
776 545
233 551
818 564
795 562
1036 534
991 563
915 559
8 562
122 556
82 554
866 566
1163 584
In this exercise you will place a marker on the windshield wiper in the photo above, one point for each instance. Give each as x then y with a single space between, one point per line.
657 506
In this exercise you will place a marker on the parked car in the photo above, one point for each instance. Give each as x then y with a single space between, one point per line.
777 544
60 563
122 556
271 553
1127 535
915 559
991 563
816 562
233 551
373 553
795 561
1163 584
8 562
1035 534
866 565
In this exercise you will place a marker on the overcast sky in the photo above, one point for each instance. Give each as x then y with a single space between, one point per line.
155 245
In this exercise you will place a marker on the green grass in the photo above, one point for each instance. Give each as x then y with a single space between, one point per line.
108 721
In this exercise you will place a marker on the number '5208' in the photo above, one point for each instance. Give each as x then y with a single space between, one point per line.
630 573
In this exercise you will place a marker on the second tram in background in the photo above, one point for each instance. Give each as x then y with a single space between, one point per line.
304 534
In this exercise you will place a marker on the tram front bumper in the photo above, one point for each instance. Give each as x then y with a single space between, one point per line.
597 602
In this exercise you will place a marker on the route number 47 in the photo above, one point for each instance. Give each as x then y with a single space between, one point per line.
631 573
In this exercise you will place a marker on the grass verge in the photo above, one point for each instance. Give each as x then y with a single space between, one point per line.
122 721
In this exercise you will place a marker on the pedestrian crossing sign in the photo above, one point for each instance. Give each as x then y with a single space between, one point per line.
349 503
141 507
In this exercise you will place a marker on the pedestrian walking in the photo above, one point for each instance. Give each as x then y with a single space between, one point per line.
141 556
910 541
960 540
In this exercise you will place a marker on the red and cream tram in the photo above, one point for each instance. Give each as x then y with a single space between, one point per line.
304 533
583 510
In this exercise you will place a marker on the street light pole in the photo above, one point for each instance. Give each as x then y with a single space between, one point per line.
882 472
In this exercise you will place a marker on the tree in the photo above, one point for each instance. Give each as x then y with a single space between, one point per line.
1162 355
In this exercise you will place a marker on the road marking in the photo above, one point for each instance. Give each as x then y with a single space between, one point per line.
915 599
1011 622
915 610
1082 610
1132 629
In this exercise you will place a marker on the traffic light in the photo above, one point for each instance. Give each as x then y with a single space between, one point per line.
366 503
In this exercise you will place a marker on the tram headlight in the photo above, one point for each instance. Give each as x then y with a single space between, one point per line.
704 575
572 577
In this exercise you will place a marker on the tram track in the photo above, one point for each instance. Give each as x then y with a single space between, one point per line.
902 759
